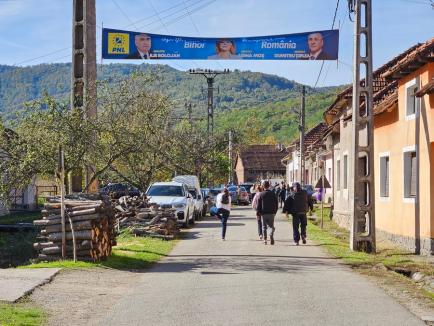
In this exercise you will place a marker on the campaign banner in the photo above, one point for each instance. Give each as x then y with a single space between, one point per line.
315 45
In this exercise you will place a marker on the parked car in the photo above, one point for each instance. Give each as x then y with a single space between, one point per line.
173 195
233 192
206 200
193 186
243 196
212 195
248 186
117 190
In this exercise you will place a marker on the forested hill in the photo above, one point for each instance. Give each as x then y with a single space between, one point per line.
237 90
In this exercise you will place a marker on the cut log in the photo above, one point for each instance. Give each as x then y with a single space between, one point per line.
80 235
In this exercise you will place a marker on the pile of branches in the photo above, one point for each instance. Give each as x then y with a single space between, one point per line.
143 218
89 228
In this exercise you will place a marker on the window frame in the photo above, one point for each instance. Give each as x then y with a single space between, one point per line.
384 179
407 164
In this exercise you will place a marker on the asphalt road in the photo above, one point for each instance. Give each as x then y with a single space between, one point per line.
241 281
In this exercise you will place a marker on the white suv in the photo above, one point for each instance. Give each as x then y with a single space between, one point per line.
173 195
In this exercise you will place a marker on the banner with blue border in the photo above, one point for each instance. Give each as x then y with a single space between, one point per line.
315 45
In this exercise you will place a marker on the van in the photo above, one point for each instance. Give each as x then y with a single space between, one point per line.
193 185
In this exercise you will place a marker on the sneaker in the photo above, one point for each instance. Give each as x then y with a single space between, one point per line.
304 240
296 243
272 240
223 239
260 237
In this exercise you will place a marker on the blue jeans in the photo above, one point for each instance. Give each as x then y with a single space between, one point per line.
223 215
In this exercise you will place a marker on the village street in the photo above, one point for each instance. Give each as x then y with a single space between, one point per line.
240 281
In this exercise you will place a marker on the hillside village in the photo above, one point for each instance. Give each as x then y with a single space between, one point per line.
153 192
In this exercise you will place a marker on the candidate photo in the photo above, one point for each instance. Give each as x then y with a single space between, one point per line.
225 49
143 45
315 42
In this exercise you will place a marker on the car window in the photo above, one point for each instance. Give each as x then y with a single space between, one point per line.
242 189
193 193
165 190
215 192
232 188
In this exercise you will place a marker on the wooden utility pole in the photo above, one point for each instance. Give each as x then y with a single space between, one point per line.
83 76
61 175
362 194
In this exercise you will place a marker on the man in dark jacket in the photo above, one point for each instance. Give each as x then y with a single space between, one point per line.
299 208
267 208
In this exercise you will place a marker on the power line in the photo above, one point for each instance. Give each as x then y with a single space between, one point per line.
132 23
333 24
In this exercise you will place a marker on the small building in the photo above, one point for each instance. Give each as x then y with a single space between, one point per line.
317 158
257 162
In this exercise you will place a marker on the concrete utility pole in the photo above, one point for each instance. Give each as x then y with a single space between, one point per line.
301 128
362 236
231 164
210 76
83 77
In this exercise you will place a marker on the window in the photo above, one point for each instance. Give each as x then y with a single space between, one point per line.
338 175
345 171
384 176
412 102
410 174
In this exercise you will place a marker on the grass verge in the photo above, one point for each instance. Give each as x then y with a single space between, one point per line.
20 314
388 257
336 241
130 253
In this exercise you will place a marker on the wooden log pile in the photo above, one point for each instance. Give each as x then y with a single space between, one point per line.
145 219
88 223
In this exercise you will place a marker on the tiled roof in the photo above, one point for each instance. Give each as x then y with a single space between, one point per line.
263 157
312 136
385 83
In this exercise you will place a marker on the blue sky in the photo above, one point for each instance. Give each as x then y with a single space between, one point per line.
39 31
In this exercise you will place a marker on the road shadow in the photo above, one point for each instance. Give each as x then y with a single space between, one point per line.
239 264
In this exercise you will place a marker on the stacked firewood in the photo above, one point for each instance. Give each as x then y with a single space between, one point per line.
89 226
143 218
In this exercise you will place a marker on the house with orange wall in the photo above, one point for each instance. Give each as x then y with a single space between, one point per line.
403 149
404 152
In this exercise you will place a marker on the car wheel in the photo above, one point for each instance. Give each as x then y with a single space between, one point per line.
187 220
193 218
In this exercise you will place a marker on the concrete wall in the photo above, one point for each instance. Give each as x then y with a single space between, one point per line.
341 148
409 221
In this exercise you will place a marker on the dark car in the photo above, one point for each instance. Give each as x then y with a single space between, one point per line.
117 190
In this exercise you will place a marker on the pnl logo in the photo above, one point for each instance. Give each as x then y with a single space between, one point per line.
118 43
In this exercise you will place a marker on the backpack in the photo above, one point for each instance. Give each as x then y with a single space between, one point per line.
225 199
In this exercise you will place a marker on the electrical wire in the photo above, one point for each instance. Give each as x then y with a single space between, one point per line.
322 64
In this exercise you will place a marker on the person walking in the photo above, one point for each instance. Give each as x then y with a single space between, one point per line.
282 195
222 209
258 190
267 208
299 208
